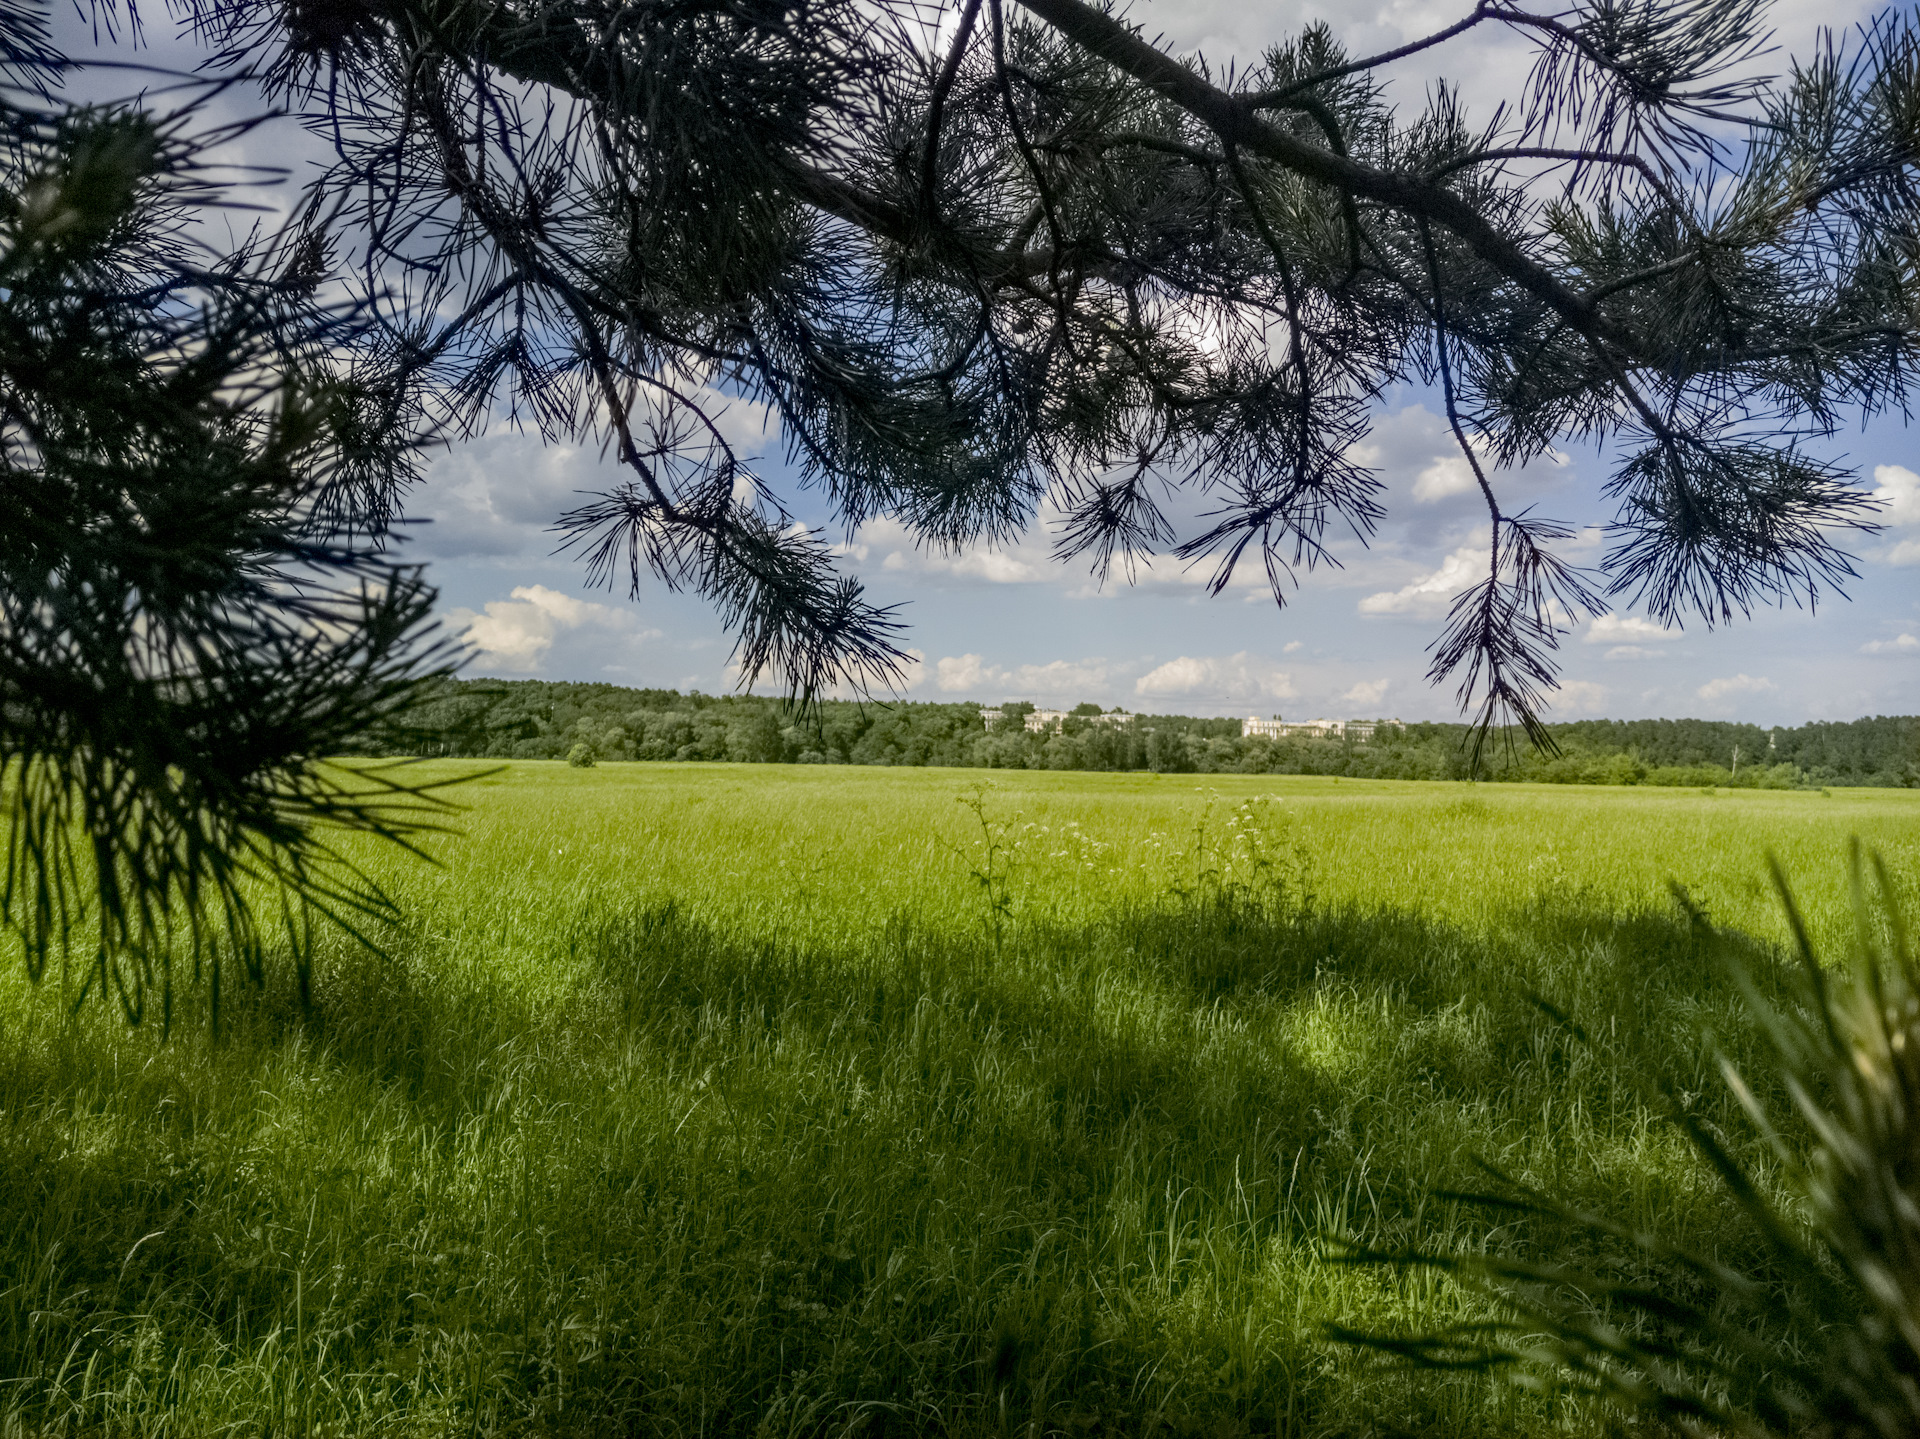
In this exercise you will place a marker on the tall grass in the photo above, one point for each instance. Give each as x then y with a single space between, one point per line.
752 1102
1825 1339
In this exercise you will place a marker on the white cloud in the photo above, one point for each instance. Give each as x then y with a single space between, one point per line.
1741 684
1431 595
1416 456
514 634
1632 652
996 567
751 427
1489 67
1058 679
1022 563
1898 489
1061 678
1450 474
496 497
1584 543
1290 647
1447 475
1368 694
1624 630
1582 697
1905 645
1241 676
960 672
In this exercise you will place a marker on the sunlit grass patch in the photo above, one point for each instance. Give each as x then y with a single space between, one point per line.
701 1099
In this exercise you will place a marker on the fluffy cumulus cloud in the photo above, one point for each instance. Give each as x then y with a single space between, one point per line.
1625 629
1897 488
493 499
1628 637
957 674
1578 697
1448 474
512 636
886 551
994 567
1429 596
1729 685
1241 676
1904 645
496 498
1417 458
1368 694
886 544
1059 679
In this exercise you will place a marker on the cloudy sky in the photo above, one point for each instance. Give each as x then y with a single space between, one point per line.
1010 623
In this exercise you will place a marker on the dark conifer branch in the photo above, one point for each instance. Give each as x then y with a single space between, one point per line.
198 617
966 277
936 106
1233 120
1270 99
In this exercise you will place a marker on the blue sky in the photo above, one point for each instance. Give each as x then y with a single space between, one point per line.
1011 624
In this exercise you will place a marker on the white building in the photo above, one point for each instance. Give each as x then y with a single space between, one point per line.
1277 728
1038 720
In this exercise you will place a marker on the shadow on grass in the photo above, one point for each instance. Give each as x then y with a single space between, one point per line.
701 1183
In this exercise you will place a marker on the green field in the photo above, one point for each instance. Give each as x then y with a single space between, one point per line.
716 1100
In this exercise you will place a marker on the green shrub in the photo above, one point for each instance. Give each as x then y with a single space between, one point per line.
581 756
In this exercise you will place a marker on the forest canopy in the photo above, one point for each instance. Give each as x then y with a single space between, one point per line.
539 719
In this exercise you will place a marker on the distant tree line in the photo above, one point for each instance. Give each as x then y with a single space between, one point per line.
538 719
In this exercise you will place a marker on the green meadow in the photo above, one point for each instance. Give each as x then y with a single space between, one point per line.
802 1100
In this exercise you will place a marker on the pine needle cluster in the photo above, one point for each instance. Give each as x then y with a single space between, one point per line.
197 609
1011 258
